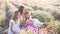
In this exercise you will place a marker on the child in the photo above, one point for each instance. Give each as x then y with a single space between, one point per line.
14 24
30 28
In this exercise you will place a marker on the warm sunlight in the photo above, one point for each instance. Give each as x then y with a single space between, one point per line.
29 16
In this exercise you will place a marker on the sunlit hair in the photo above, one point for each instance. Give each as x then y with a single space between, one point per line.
28 13
21 9
15 17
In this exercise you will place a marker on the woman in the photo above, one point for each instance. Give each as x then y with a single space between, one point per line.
14 24
22 12
29 24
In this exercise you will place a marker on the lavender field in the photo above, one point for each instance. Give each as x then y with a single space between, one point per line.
47 11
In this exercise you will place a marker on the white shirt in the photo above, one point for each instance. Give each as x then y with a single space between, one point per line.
37 23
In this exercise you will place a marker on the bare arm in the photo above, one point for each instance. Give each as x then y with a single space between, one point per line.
22 22
11 27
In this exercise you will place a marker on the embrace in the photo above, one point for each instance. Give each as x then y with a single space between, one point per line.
23 23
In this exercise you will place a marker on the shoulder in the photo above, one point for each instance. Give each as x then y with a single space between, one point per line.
35 20
11 21
37 23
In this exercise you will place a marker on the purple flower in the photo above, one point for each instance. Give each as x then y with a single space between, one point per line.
31 26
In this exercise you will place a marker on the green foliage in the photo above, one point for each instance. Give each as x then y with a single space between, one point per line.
1 22
55 28
43 16
46 14
0 0
3 8
1 29
1 19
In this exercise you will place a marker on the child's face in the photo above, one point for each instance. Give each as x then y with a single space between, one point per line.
27 15
17 16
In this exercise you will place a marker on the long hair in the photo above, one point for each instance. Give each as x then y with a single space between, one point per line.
21 9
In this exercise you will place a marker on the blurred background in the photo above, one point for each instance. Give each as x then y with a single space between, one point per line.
47 11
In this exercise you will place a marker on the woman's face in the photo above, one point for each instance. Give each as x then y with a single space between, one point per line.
24 10
27 16
17 16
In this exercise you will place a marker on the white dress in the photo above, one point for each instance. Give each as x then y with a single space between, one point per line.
16 28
